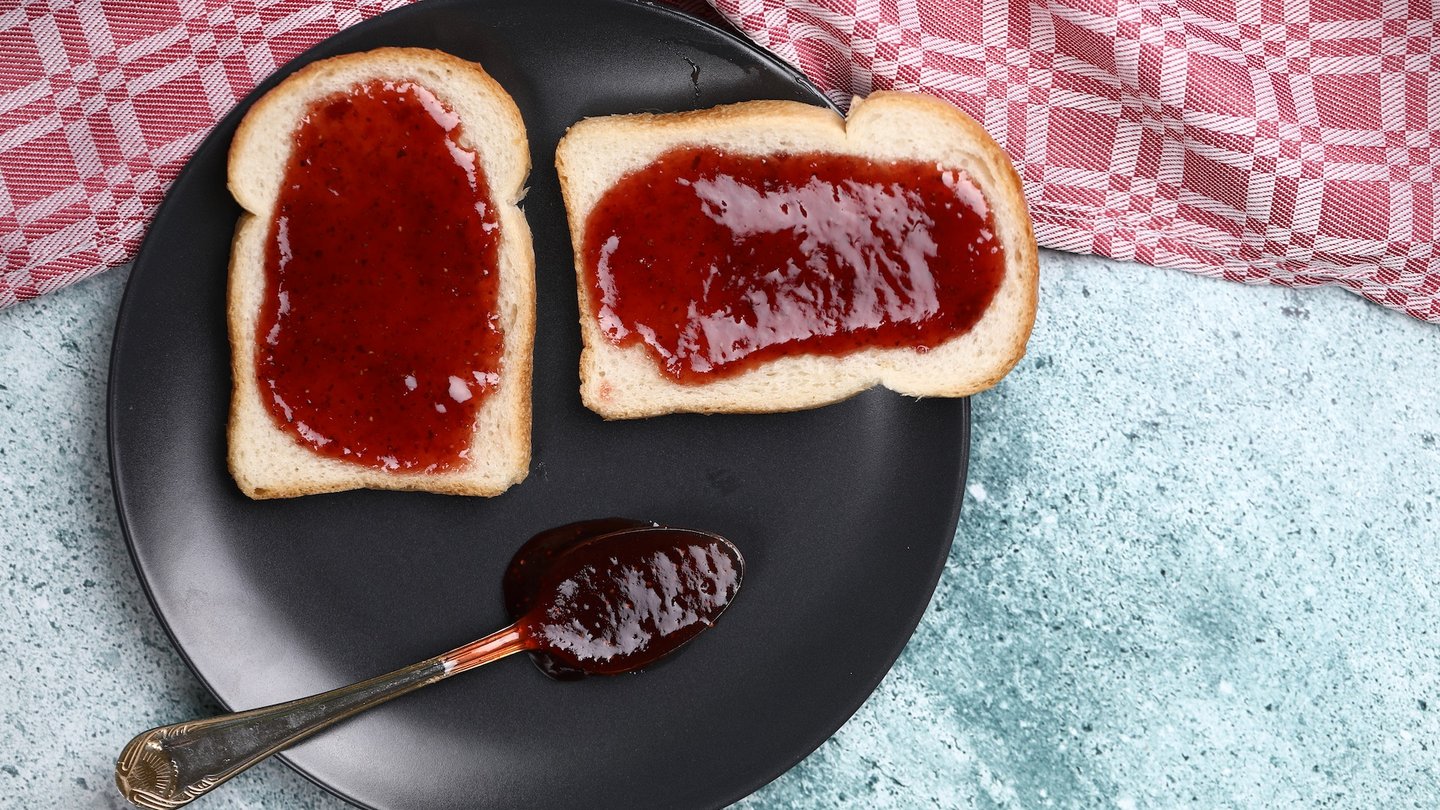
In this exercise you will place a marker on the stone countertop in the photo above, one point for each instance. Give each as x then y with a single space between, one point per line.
1198 566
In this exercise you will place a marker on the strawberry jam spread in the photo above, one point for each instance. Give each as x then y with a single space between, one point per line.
379 335
717 262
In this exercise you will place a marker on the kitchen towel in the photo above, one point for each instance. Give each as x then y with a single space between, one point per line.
1292 142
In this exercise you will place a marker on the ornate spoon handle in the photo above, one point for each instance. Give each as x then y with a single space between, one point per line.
170 766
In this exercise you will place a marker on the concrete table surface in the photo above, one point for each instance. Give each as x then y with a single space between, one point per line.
1198 566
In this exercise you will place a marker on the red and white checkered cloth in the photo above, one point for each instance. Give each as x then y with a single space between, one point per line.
1294 142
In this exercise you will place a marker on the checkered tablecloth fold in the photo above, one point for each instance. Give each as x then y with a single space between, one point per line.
1293 142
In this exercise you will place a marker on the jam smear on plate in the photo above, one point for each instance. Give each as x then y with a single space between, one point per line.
379 335
717 262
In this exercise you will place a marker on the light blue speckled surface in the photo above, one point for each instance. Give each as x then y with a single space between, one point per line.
1198 566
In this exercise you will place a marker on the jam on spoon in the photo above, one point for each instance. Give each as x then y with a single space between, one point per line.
595 598
534 559
593 610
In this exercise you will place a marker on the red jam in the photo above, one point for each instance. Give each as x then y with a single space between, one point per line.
379 334
718 262
603 597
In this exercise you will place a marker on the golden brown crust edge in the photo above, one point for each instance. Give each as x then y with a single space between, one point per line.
1012 190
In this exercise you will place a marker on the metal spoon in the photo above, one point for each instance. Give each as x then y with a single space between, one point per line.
573 618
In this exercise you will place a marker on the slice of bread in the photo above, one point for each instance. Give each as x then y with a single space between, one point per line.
625 382
267 462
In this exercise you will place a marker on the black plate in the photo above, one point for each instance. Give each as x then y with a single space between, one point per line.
845 514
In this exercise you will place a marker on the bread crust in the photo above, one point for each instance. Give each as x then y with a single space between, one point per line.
267 462
625 382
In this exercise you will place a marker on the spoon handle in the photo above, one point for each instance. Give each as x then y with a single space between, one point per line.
170 766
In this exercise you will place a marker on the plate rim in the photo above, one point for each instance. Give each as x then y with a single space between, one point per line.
126 312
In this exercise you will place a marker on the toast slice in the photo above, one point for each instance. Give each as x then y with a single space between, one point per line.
269 462
625 381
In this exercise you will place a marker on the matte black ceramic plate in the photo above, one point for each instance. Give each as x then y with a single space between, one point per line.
845 514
